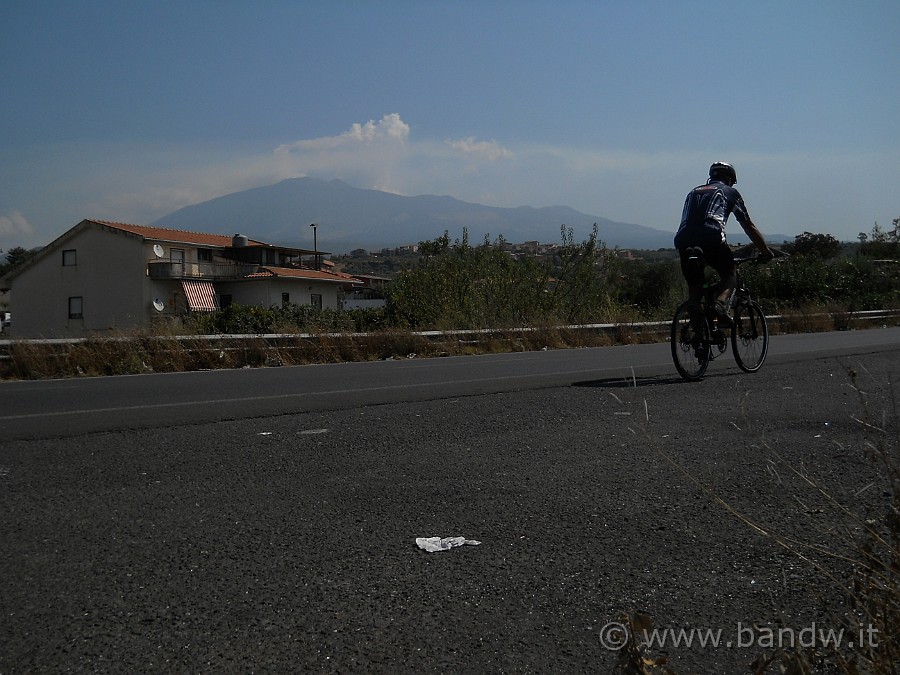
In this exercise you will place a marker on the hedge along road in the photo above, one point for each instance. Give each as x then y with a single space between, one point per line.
266 520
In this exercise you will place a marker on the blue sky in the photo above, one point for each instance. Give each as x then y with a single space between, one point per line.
128 110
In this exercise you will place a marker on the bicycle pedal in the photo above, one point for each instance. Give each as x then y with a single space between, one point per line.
719 339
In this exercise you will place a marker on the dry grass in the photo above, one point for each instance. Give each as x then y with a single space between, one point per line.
161 351
855 553
866 540
136 353
819 319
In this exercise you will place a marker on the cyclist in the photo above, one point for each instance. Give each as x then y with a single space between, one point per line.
706 210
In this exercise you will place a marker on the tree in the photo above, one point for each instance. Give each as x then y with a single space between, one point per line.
581 290
16 256
441 245
822 246
882 244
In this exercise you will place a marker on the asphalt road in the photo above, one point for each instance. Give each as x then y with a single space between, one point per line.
40 409
266 520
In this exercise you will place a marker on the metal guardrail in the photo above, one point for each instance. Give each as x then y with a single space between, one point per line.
660 328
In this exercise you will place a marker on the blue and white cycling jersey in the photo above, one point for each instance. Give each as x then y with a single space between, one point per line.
706 210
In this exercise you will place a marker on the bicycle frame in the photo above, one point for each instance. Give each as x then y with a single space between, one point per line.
696 331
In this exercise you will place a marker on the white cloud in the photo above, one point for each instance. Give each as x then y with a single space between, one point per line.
389 129
375 155
490 150
136 182
15 224
382 155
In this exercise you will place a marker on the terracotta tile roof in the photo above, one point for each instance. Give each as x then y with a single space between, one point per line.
374 277
166 234
304 273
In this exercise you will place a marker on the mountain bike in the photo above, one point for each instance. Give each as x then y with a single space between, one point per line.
697 338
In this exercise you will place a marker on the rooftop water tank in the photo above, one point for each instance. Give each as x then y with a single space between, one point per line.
239 240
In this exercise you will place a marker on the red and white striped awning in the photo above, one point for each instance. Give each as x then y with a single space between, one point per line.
201 296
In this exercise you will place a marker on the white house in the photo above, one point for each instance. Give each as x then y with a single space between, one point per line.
369 294
102 276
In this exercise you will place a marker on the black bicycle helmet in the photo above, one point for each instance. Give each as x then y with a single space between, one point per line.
722 171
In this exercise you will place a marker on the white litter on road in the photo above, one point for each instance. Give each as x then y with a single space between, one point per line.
434 544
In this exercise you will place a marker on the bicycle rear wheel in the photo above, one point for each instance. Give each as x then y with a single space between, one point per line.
690 341
750 336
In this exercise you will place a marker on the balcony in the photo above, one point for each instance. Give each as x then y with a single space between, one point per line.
167 269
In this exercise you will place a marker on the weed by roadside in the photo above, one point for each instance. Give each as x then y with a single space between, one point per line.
138 353
851 547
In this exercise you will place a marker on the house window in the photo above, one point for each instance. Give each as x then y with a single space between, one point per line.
69 258
285 299
75 307
204 255
316 300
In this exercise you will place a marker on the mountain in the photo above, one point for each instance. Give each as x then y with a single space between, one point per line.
350 218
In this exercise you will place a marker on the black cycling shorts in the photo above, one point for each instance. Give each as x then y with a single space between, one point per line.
718 256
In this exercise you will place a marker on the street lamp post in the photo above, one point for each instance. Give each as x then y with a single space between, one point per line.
315 246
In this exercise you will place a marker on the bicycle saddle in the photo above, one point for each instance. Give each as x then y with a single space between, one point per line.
694 253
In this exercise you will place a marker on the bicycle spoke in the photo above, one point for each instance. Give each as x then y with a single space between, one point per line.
690 342
750 337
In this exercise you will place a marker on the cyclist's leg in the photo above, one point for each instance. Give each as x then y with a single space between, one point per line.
692 266
721 259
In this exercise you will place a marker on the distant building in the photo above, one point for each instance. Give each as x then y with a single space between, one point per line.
369 294
372 281
103 276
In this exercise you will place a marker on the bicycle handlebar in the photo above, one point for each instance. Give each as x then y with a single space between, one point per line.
759 260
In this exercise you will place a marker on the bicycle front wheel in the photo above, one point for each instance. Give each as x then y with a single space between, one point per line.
750 336
690 342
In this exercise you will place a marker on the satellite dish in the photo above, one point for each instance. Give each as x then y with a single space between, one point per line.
158 305
158 250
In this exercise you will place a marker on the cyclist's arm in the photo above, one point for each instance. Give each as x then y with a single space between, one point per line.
743 217
757 238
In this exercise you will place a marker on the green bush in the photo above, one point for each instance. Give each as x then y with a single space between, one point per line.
857 283
291 318
650 287
463 286
460 286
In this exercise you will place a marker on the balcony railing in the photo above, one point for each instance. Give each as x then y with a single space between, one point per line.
168 269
